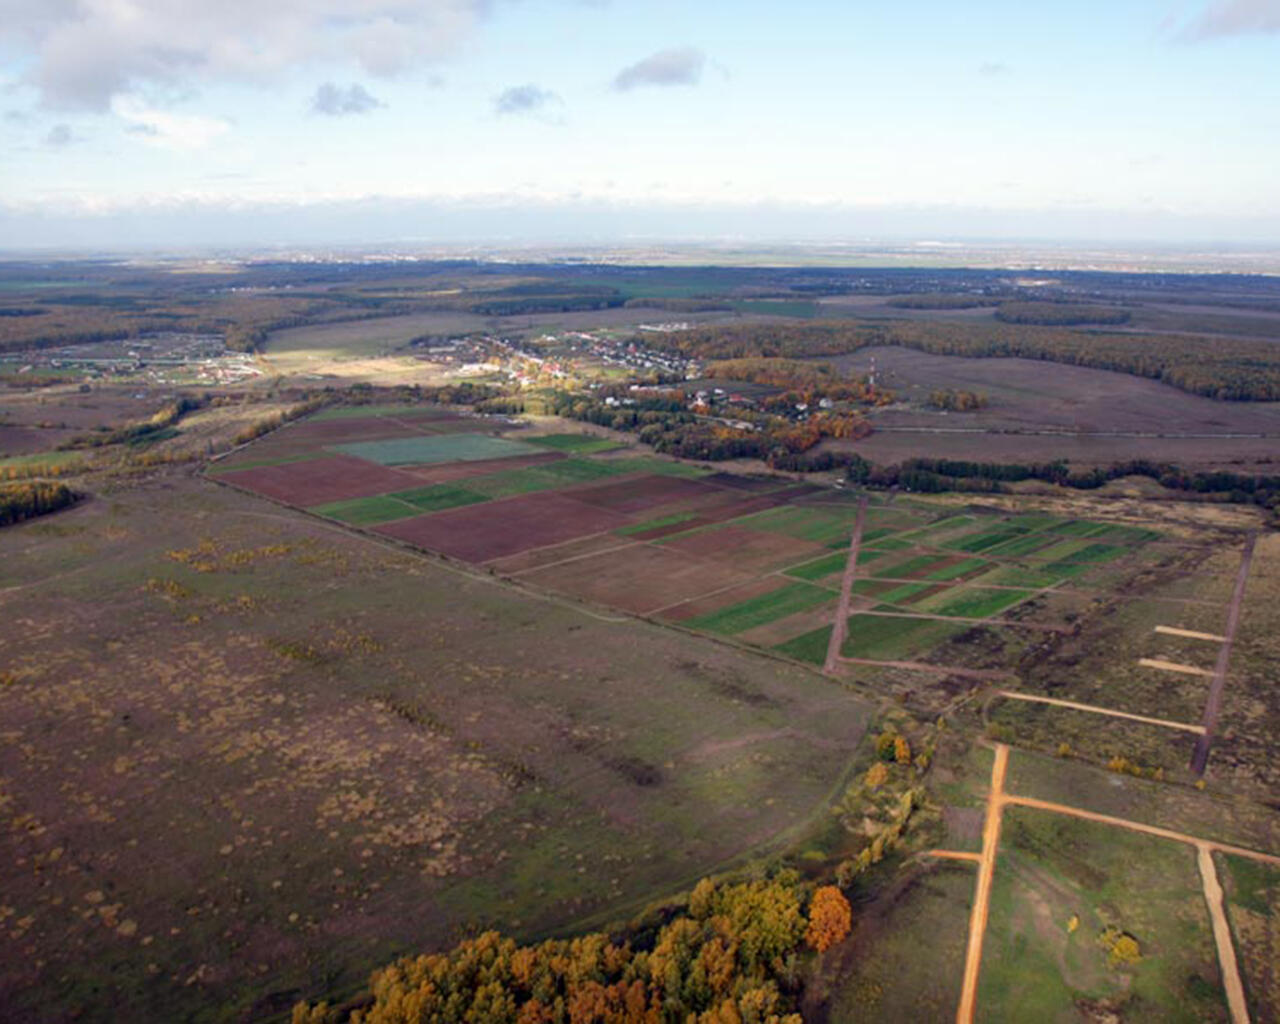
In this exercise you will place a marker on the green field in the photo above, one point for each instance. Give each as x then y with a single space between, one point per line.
881 637
974 602
1053 870
424 450
383 508
758 611
1252 894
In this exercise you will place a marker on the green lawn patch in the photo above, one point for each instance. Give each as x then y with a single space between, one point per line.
891 638
952 572
984 541
818 525
577 470
1020 546
758 611
381 508
427 449
439 497
361 412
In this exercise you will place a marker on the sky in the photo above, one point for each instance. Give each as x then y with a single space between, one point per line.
188 122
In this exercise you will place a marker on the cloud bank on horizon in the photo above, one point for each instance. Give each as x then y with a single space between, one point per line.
117 107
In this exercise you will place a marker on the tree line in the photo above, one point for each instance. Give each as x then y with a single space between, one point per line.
1220 368
26 501
734 955
928 475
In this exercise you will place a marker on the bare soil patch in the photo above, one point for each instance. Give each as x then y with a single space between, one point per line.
479 533
640 579
317 481
640 493
749 550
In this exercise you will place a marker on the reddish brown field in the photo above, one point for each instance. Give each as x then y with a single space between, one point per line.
642 493
753 484
317 481
721 510
479 533
448 471
750 550
639 579
538 558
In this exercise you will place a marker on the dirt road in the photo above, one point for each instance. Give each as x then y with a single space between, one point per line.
1200 756
982 894
1222 937
1075 706
840 627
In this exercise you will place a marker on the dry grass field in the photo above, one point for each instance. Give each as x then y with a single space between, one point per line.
248 756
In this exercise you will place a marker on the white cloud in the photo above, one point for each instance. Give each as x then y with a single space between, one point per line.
679 66
335 101
167 130
1235 17
85 52
525 99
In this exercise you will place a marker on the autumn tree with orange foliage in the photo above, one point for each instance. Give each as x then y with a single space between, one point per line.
830 918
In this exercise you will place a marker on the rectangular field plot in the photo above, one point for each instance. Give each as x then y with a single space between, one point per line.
385 508
639 578
973 602
744 549
426 449
759 611
318 481
482 532
642 493
1252 893
1064 891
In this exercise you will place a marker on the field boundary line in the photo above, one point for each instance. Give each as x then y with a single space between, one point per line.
1173 666
565 561
982 889
954 855
1213 706
840 624
1227 964
1190 634
1076 706
1138 826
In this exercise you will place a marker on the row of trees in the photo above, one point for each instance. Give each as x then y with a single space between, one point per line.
26 501
732 957
938 475
950 400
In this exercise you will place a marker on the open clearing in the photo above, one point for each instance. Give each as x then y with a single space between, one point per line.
1025 398
355 751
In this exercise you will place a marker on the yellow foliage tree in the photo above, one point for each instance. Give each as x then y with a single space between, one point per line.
830 918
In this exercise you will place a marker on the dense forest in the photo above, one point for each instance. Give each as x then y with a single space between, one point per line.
1227 369
734 956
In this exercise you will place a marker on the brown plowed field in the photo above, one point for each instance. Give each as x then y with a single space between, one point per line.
728 506
641 493
539 558
444 472
317 481
640 579
714 602
750 550
478 533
